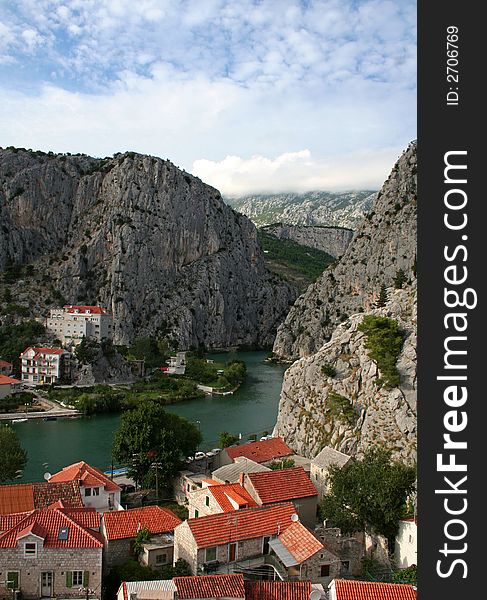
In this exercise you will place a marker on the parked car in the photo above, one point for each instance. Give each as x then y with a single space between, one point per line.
216 450
190 459
199 455
210 454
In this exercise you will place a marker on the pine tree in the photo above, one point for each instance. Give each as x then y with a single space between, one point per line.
383 297
399 279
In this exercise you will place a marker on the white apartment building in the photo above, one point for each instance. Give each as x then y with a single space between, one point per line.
43 365
71 324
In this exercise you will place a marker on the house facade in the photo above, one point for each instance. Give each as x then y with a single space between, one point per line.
97 490
44 365
6 368
406 543
9 386
48 553
321 465
71 324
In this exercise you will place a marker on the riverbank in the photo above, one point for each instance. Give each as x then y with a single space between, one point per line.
252 409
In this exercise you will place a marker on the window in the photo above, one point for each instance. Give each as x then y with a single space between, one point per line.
207 501
77 578
13 580
196 513
30 549
210 554
345 565
161 559
324 570
96 491
87 491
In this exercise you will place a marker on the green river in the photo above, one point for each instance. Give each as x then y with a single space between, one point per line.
51 445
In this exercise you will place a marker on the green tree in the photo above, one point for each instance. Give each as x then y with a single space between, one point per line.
13 457
226 439
369 495
383 297
399 279
149 434
143 536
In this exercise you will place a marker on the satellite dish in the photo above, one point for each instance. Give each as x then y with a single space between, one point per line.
294 518
47 476
315 595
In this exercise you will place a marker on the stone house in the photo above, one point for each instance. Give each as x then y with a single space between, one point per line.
97 490
268 539
347 589
406 543
320 468
8 386
349 548
50 552
208 542
216 498
120 528
284 485
187 482
44 365
263 452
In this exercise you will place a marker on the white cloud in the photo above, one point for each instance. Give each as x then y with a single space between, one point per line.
297 172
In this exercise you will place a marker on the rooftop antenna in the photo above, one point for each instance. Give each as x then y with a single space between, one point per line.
315 595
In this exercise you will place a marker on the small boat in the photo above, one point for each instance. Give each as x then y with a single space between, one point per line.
18 420
50 418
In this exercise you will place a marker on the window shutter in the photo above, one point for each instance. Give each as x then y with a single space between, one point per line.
69 579
86 578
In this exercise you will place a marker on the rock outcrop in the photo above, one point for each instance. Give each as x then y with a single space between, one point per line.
153 244
332 240
309 416
383 245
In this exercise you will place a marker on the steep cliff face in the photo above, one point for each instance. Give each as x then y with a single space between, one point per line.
153 244
332 240
332 397
345 209
384 244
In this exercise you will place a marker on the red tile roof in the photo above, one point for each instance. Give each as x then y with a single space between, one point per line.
88 518
87 475
25 497
277 590
45 350
210 586
16 498
224 493
48 524
300 542
65 492
367 590
245 524
124 524
281 485
94 310
5 380
9 521
4 363
261 452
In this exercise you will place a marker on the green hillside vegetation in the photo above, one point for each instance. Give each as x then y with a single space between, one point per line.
301 265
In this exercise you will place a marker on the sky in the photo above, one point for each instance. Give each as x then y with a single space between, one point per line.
252 96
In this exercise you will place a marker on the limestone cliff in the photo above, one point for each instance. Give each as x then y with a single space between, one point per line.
332 240
153 244
384 244
310 416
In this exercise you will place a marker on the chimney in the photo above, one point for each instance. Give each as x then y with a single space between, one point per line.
241 479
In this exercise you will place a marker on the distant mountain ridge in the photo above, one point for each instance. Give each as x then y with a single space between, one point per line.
341 209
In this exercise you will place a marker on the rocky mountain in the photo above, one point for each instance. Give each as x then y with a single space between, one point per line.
345 209
358 389
153 244
384 244
332 240
332 397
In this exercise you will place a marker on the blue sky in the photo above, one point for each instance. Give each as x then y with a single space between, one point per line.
250 95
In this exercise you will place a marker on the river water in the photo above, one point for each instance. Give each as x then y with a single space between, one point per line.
51 445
